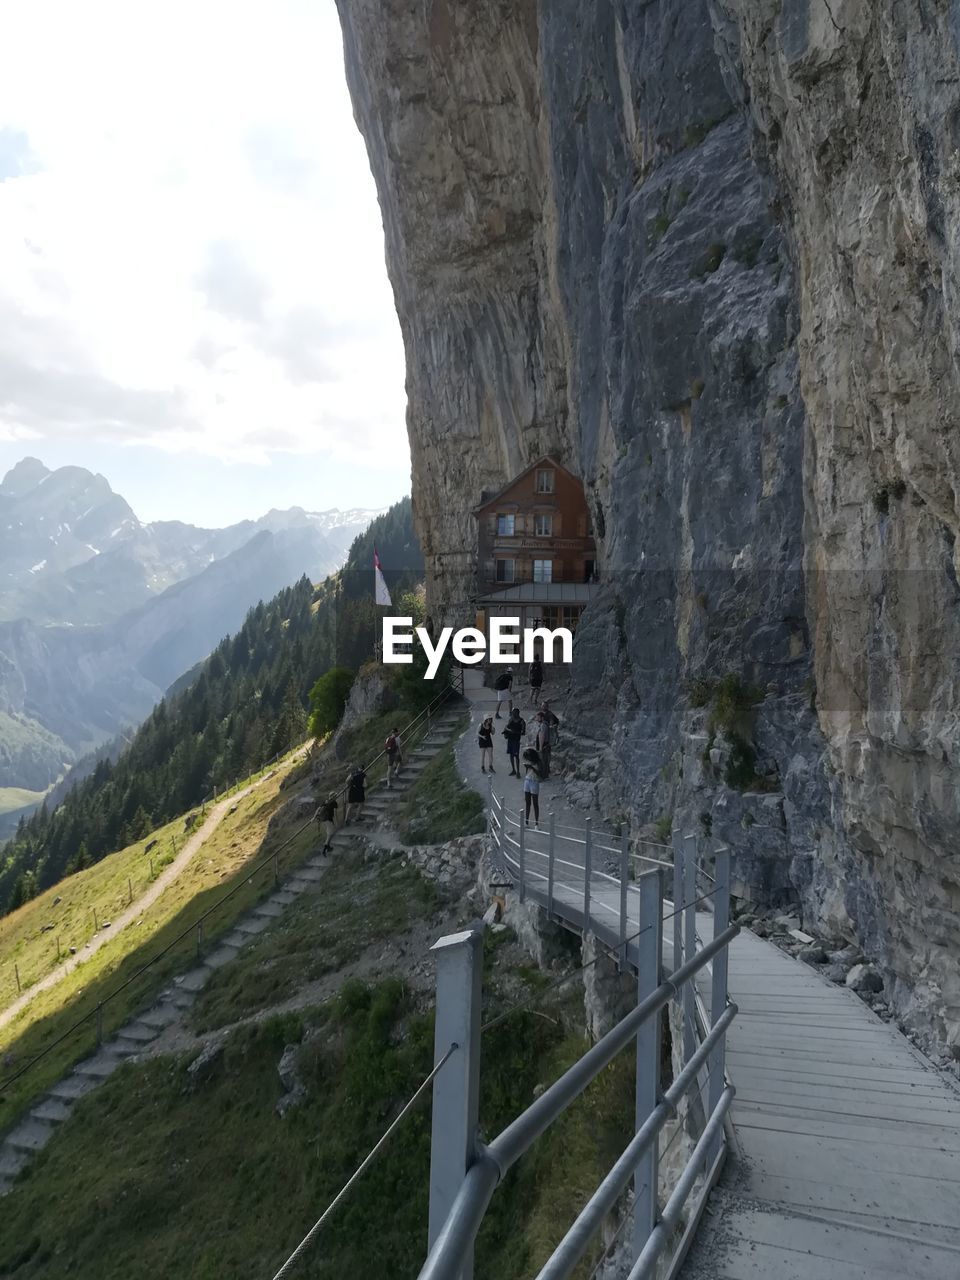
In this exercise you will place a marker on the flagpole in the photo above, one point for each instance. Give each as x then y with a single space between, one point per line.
381 596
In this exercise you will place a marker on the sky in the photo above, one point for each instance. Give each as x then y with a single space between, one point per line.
193 297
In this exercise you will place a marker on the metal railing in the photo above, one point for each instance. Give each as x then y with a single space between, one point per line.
628 916
420 724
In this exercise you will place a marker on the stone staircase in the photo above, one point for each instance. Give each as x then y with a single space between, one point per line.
32 1132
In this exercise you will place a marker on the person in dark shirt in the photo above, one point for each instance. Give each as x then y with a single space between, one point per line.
536 681
327 820
356 793
515 729
485 743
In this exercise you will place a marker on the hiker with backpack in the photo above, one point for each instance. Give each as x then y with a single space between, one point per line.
327 820
394 756
515 729
532 767
485 743
504 687
536 681
356 793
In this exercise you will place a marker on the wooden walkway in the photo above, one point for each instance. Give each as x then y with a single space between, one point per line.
845 1158
846 1161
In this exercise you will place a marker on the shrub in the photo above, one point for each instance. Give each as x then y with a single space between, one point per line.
328 697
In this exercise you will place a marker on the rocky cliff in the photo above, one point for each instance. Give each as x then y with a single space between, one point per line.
705 252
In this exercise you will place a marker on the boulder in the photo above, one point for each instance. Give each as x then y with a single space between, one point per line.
864 978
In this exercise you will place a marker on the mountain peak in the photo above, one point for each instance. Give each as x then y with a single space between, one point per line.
26 475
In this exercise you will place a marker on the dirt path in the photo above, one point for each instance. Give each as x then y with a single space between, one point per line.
137 908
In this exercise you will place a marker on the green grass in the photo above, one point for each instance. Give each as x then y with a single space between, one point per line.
318 934
438 806
223 863
155 1176
14 798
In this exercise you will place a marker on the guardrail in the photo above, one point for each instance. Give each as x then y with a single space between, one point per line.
419 725
628 917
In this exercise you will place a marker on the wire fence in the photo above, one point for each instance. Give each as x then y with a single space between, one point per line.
420 725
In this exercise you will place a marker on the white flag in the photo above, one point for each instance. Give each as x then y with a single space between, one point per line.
380 588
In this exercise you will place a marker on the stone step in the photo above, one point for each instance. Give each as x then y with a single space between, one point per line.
160 1016
235 940
309 873
72 1087
296 887
180 1000
52 1110
12 1161
270 910
5 1187
98 1067
138 1032
30 1135
195 980
282 898
124 1048
253 924
223 955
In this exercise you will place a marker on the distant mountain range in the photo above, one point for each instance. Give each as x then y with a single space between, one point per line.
100 612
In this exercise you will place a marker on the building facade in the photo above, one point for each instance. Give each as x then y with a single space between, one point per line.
536 556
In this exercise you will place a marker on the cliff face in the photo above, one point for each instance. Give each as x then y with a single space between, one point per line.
704 253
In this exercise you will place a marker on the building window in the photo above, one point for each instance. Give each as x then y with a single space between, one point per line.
543 570
543 526
506 526
545 481
506 570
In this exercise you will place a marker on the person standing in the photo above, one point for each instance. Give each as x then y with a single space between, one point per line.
516 727
485 743
536 681
356 793
531 787
504 687
394 756
544 742
327 820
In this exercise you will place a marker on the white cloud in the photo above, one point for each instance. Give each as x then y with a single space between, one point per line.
190 245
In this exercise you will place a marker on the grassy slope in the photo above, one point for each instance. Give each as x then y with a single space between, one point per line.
206 1180
104 887
221 864
438 807
13 798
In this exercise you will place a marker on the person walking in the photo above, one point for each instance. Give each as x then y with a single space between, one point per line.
544 742
516 727
536 681
356 793
504 687
394 756
552 720
327 820
485 743
531 786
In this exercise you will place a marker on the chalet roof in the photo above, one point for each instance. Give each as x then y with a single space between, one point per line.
543 593
544 458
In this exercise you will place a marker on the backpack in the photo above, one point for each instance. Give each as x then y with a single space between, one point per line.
391 743
502 682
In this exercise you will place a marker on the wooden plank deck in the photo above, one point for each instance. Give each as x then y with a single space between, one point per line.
846 1158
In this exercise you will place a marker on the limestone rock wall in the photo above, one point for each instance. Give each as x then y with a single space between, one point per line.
703 251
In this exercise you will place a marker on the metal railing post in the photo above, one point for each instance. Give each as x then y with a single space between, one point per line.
491 819
523 855
689 900
199 939
100 1023
718 993
587 872
624 877
649 953
456 1089
677 900
550 858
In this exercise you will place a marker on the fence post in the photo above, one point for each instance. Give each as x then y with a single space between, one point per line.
523 855
130 888
587 872
550 857
456 1088
59 957
718 990
649 953
276 869
199 939
689 943
491 819
16 971
100 1024
96 922
677 900
624 880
